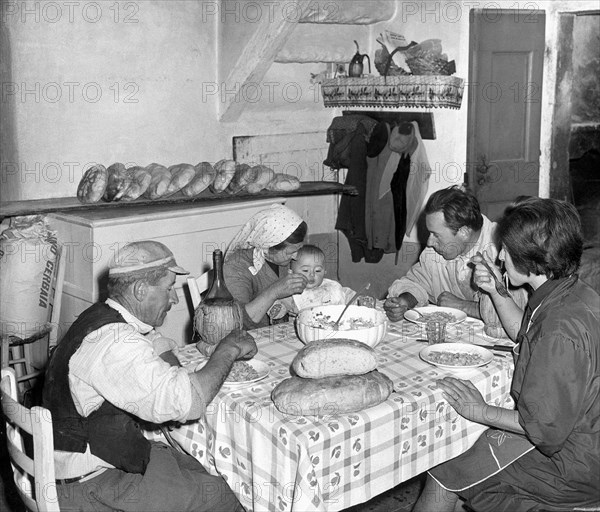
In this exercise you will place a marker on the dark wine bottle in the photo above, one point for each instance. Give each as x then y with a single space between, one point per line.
219 313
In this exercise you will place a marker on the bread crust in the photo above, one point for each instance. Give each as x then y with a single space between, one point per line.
283 183
336 357
331 396
181 175
92 185
204 177
225 173
159 182
140 180
119 181
263 175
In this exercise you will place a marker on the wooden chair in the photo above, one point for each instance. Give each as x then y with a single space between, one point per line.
33 476
197 286
28 356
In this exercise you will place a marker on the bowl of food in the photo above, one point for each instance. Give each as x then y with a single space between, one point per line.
360 323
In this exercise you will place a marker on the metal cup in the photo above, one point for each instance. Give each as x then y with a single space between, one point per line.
436 332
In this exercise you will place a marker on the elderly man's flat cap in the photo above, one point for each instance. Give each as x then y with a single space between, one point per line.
141 256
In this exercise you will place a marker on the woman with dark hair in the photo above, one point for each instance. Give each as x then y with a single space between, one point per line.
545 453
257 261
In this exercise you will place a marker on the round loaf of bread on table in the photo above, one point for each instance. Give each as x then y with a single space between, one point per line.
93 184
332 395
331 358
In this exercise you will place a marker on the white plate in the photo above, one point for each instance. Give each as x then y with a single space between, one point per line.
260 366
411 316
428 354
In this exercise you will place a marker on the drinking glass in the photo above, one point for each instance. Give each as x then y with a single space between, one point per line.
436 332
366 300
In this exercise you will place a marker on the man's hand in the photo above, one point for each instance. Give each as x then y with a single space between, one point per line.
243 341
395 307
448 300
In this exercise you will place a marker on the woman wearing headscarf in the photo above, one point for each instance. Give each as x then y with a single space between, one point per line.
257 261
545 453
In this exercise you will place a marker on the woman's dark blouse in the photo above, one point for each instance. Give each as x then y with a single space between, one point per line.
556 387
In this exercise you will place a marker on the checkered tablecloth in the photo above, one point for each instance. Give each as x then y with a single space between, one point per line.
330 462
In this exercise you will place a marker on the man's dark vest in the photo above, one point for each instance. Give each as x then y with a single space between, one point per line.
112 434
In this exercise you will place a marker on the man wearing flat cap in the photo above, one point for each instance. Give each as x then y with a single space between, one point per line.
110 371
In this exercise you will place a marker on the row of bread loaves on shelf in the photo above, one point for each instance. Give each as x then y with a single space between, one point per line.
156 181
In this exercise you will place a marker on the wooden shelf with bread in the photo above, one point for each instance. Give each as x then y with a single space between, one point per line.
118 201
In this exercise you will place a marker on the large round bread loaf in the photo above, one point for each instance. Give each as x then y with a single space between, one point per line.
332 395
331 358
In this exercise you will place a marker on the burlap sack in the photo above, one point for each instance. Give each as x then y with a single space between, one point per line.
28 260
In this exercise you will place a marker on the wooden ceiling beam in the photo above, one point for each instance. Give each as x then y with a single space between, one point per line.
257 57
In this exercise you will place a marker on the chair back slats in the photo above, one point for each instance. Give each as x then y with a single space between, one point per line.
34 477
197 286
18 458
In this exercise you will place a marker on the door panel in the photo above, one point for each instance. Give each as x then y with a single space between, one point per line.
506 58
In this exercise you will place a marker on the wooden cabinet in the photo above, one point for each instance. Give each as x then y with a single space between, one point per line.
192 232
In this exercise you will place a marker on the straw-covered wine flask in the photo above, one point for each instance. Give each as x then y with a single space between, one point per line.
219 313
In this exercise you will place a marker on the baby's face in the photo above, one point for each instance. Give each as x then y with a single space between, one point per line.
311 267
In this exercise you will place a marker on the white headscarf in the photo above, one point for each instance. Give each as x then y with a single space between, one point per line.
265 229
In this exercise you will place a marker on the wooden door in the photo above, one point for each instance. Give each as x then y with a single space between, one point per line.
505 93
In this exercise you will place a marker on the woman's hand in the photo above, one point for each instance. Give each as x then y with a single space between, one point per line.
288 285
481 275
464 397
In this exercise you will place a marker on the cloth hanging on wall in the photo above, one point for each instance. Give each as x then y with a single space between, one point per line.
351 152
379 211
418 181
340 134
396 187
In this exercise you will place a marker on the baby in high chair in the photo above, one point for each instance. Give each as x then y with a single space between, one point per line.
319 291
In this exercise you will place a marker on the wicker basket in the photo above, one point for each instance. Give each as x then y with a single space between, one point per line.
429 91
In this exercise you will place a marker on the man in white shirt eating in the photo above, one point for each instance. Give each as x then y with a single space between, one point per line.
443 276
